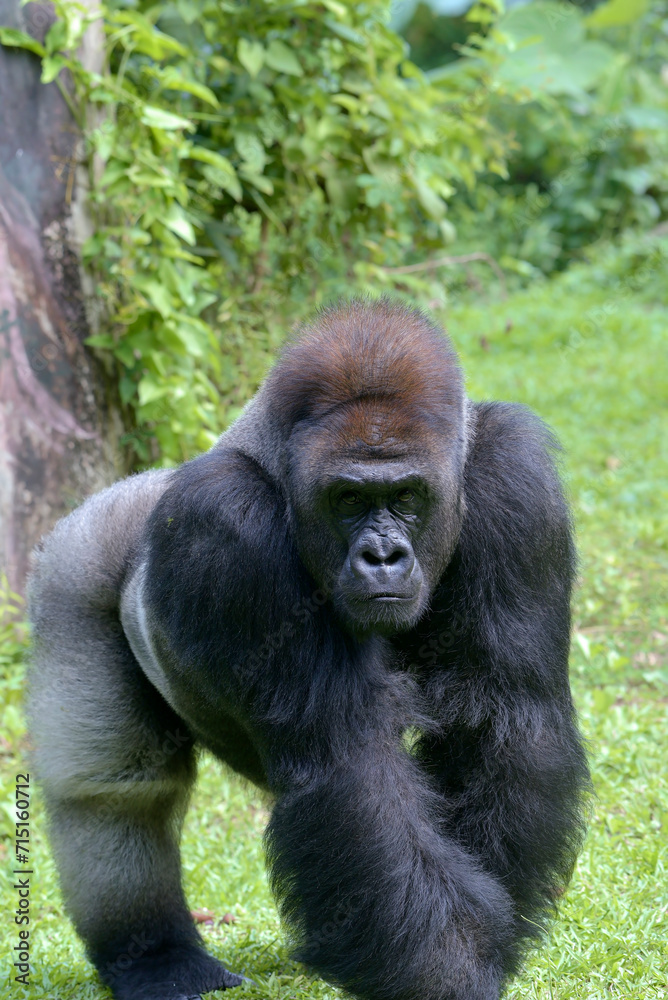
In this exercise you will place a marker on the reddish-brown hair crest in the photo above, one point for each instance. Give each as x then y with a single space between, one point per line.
367 350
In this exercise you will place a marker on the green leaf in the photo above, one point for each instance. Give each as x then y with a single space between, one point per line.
647 118
149 390
220 172
159 118
342 191
146 37
113 172
206 155
102 340
251 56
176 221
51 67
158 296
482 14
149 178
552 54
430 201
616 13
224 181
15 39
258 181
190 339
251 150
347 101
343 31
603 699
636 179
279 57
171 79
56 37
336 8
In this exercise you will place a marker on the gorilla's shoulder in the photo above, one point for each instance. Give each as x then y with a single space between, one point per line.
510 435
223 516
87 554
511 453
225 490
514 500
220 535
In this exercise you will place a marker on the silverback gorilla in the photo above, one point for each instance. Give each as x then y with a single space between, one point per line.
359 600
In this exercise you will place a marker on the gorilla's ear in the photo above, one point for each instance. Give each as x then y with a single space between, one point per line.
220 549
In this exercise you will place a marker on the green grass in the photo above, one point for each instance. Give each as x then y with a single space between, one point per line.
604 389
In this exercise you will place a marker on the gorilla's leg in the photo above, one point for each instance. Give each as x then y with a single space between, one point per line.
116 766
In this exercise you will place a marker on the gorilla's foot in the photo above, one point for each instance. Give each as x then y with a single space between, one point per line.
179 973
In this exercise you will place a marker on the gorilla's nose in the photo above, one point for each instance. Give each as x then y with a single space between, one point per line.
383 563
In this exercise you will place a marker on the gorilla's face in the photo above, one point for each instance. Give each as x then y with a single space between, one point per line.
377 535
376 497
377 512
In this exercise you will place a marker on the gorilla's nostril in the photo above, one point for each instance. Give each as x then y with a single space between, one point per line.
371 558
375 559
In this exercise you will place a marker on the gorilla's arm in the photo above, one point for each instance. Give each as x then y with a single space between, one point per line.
493 660
378 900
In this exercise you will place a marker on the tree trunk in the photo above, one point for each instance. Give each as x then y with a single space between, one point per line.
59 425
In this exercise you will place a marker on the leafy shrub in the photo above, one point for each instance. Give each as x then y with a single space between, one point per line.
585 100
252 159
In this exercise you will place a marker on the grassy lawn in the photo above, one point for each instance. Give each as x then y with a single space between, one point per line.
589 353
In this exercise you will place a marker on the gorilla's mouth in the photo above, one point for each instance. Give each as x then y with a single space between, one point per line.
383 611
389 598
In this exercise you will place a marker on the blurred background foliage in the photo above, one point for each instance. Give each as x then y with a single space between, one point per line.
584 101
251 159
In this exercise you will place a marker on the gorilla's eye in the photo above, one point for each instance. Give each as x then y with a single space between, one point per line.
350 498
405 496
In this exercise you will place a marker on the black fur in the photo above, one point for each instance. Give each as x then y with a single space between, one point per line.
402 873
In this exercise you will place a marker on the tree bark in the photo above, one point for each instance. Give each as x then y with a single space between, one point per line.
59 420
